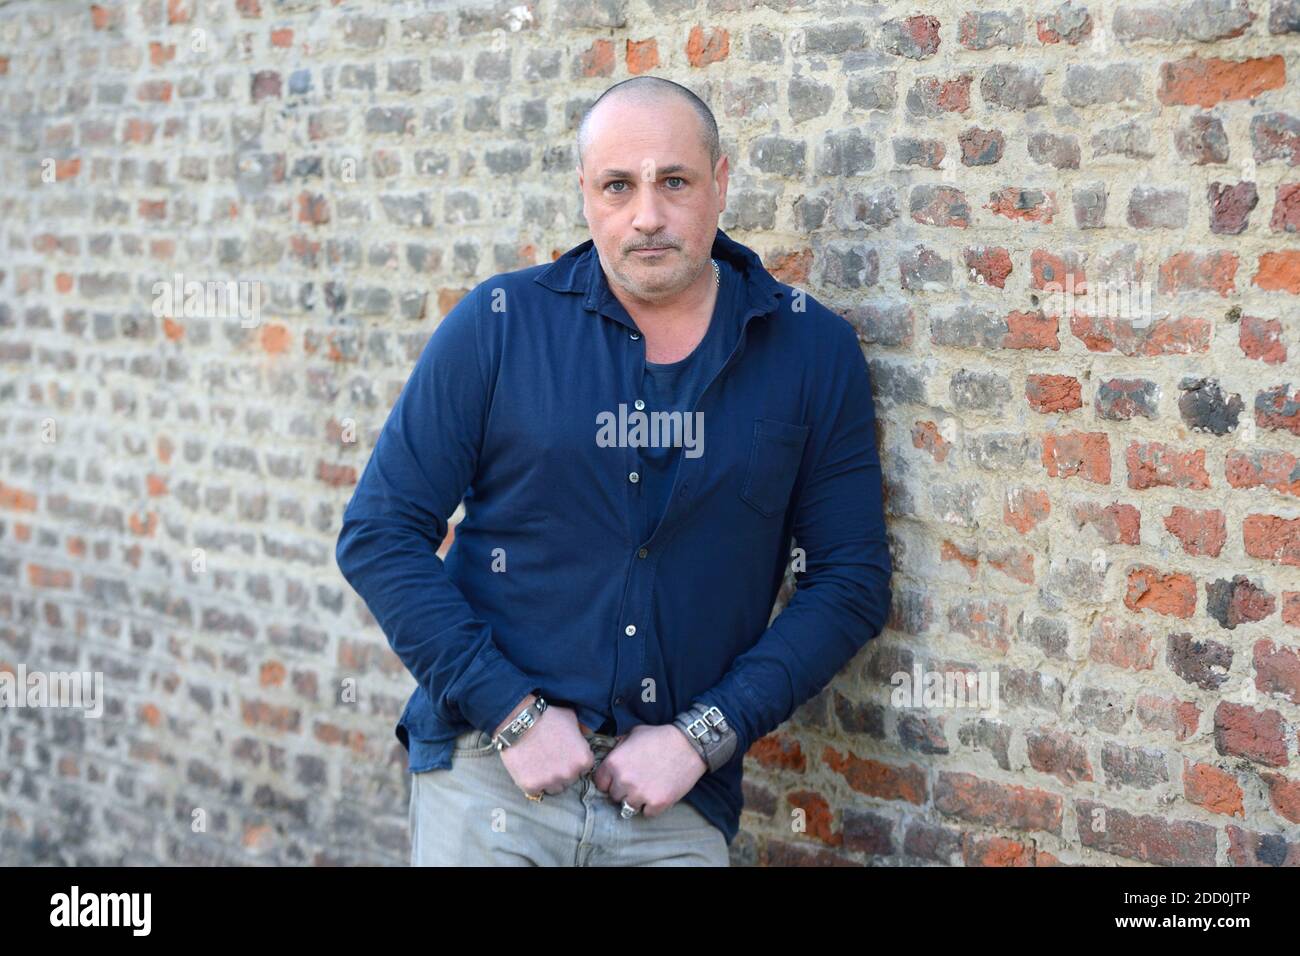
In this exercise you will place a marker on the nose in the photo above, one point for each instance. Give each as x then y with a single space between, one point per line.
649 217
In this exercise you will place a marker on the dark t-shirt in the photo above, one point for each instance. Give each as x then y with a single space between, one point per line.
676 387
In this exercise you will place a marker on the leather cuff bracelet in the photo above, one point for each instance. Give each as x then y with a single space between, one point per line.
523 720
709 733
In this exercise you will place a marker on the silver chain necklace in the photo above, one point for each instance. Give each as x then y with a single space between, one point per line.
717 276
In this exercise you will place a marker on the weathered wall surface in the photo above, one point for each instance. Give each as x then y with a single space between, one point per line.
1098 505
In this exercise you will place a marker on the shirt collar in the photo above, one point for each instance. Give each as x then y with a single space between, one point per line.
579 271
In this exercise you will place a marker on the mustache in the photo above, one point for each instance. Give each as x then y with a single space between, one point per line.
652 245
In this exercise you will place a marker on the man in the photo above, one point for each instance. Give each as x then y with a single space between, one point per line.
636 430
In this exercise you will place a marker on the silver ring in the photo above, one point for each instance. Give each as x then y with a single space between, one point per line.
628 811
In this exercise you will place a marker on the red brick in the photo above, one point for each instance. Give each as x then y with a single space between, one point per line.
944 96
1262 339
1055 273
1284 794
39 576
1243 731
1277 409
16 499
1023 205
1197 272
926 436
1086 454
1279 272
1155 464
641 56
154 91
778 751
792 268
877 779
313 208
1024 508
160 53
1201 532
995 851
336 475
1216 790
1277 670
1278 470
1149 838
1164 336
105 18
1179 717
1059 753
817 816
990 263
1031 330
970 798
1053 393
1123 644
1205 82
1272 538
1171 594
274 338
1291 608
1116 524
1286 209
703 49
598 59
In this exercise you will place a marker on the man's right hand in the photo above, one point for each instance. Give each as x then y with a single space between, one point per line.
551 754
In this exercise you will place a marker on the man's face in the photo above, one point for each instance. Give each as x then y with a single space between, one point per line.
650 198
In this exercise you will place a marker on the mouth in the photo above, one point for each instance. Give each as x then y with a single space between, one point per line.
651 252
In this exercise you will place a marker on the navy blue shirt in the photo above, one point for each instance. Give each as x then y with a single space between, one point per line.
671 390
552 584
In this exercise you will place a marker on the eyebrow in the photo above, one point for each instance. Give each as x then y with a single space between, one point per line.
662 170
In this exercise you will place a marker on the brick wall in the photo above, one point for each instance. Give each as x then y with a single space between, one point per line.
1100 505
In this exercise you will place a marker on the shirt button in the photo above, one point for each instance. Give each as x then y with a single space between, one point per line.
639 404
634 336
634 477
618 700
630 630
642 552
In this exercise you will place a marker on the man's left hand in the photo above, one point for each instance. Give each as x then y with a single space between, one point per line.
651 768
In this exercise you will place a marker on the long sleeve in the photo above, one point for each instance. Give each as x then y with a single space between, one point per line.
423 462
843 597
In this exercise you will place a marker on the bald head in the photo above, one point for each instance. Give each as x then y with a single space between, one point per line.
650 90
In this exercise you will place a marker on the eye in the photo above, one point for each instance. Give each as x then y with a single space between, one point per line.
615 183
678 178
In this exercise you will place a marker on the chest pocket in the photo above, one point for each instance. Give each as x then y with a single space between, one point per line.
773 464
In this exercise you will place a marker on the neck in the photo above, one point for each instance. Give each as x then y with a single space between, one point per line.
685 309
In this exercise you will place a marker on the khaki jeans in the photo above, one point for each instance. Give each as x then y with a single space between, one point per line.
473 814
